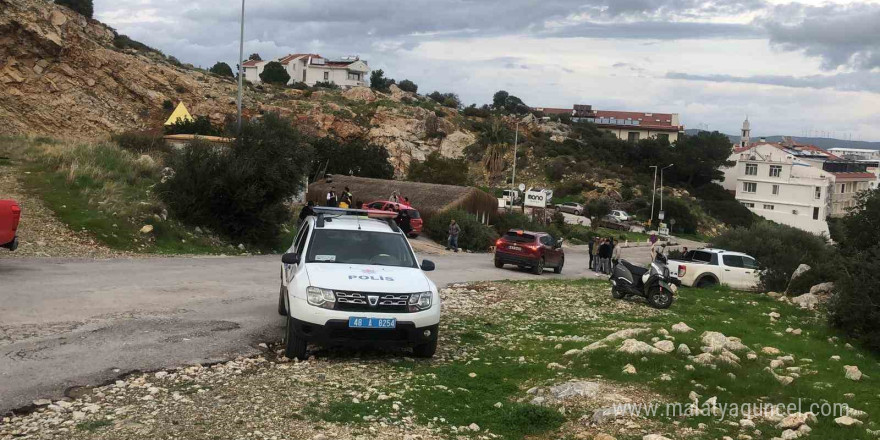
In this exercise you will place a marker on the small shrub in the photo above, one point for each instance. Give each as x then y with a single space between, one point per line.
84 7
175 62
438 169
474 235
517 220
479 112
124 42
408 86
221 69
326 85
167 105
379 82
140 142
779 250
201 125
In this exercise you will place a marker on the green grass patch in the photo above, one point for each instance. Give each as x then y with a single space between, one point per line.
93 425
504 352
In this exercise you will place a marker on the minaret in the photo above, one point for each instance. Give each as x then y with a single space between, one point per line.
745 138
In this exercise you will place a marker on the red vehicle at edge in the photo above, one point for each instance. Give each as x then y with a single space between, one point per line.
535 250
415 218
10 214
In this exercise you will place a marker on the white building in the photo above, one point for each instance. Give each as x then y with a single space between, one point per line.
312 68
778 186
855 153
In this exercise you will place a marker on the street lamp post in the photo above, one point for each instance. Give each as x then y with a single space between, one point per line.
661 185
653 195
240 66
513 177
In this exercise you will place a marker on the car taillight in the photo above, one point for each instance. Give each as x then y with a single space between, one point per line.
499 242
681 271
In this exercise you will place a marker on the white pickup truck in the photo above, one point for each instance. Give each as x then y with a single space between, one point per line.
709 267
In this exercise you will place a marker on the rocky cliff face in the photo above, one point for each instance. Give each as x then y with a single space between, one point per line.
62 76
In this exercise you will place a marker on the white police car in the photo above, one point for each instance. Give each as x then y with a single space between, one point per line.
351 277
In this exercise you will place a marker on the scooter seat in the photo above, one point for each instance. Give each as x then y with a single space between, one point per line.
637 271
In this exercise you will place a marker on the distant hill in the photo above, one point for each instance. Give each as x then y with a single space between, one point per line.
825 143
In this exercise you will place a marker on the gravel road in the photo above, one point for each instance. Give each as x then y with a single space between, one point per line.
68 323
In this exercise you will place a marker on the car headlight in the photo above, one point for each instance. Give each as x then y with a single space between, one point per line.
420 301
319 297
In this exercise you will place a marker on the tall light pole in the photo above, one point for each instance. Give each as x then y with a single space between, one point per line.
661 185
653 195
513 177
240 66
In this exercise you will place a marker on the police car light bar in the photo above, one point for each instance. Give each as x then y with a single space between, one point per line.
371 213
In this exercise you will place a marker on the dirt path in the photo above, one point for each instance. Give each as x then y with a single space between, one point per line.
41 234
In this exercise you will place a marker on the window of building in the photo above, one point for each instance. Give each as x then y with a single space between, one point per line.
775 170
304 75
326 76
750 187
775 190
632 136
748 205
816 213
842 188
663 137
751 169
769 207
354 76
818 192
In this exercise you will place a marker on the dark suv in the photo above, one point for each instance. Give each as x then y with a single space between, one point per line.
526 249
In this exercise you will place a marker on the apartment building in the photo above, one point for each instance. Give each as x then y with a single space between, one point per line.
313 68
629 126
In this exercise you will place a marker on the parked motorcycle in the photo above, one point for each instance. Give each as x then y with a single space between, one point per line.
654 283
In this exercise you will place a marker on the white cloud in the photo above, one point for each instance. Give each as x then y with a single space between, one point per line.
727 58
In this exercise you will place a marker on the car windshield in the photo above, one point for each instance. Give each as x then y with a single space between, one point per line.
359 247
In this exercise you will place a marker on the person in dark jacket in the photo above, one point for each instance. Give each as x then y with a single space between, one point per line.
307 211
332 198
604 255
590 245
403 221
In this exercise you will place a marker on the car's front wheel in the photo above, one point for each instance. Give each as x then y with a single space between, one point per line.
294 346
282 308
558 269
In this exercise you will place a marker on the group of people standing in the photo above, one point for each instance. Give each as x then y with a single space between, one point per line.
342 200
604 254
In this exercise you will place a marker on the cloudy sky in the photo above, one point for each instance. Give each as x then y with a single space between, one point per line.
794 68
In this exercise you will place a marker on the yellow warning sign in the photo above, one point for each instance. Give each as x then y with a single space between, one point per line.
180 114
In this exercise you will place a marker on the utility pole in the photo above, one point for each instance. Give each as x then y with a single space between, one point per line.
513 177
653 195
240 66
661 185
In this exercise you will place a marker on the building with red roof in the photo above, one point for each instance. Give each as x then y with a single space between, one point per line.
626 125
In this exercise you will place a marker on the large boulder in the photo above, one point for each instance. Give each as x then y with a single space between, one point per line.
806 301
634 346
359 94
822 288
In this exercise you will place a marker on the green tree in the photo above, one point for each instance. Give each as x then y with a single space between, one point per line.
855 308
274 73
408 86
438 169
499 99
221 69
379 82
83 7
698 158
240 191
352 158
255 57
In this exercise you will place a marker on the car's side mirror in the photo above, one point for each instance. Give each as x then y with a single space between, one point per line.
291 258
559 242
427 265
